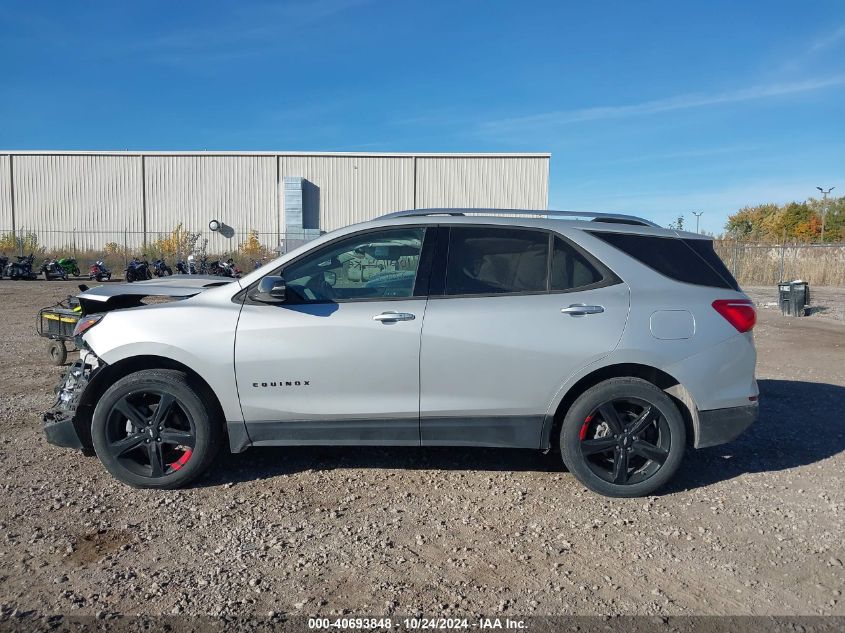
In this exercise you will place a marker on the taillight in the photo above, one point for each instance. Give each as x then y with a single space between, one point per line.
738 312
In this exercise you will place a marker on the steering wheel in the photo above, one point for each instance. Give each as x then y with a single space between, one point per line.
318 290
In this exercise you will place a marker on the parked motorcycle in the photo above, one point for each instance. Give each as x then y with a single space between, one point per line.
161 269
70 266
52 270
186 267
99 271
201 267
224 269
138 270
230 269
21 269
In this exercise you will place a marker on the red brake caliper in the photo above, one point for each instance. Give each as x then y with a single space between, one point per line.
585 427
182 460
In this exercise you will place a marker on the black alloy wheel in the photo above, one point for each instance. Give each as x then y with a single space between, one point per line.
150 433
156 429
625 440
624 437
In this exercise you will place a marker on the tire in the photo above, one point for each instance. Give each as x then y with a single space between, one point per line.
189 433
634 454
57 352
130 276
76 271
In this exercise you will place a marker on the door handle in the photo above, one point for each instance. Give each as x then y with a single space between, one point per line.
393 317
579 309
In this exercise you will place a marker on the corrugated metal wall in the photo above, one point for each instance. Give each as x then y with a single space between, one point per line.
354 188
5 195
86 200
505 183
240 191
90 199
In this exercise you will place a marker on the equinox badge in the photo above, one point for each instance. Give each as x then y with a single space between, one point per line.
283 383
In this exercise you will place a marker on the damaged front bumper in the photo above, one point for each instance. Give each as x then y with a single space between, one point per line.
61 420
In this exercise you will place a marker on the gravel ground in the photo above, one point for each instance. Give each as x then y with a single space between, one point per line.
754 527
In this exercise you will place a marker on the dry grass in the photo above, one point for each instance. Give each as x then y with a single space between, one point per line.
764 264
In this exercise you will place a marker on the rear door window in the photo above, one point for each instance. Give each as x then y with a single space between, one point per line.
570 269
492 261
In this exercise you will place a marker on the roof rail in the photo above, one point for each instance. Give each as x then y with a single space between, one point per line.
619 218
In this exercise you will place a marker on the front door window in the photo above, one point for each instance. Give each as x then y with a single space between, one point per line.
374 265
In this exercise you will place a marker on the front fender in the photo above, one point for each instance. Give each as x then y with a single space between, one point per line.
200 337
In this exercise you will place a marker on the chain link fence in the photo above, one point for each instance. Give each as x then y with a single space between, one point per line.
248 249
755 264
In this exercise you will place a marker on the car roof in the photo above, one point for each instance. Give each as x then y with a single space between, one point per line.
541 218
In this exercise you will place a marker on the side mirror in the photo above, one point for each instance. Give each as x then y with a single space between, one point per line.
270 290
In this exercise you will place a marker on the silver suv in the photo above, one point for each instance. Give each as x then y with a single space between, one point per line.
610 338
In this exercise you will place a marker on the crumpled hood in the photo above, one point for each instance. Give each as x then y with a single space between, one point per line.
114 296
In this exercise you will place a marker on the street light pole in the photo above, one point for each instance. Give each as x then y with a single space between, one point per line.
697 218
824 206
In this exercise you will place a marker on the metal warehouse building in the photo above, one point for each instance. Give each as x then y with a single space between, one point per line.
131 198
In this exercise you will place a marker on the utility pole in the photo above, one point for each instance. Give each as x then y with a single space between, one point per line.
697 218
824 206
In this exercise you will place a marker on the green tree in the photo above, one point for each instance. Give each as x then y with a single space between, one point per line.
834 224
795 221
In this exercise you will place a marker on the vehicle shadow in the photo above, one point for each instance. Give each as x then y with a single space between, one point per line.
266 462
797 426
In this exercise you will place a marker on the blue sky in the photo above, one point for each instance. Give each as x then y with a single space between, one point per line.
657 108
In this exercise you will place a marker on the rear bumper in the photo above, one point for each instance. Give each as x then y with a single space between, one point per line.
719 426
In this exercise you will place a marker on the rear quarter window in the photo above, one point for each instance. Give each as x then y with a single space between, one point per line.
691 261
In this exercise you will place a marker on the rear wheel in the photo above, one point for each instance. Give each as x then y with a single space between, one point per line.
151 429
623 438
